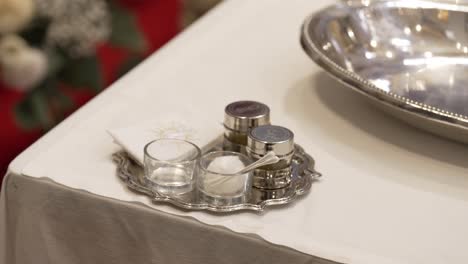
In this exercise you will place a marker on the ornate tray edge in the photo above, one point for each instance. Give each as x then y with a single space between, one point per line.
369 89
123 160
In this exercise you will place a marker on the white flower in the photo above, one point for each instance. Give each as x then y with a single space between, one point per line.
76 25
15 14
22 67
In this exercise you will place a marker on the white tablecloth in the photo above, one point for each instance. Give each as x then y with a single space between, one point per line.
390 193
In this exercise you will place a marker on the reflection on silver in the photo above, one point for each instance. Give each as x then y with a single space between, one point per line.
302 176
410 56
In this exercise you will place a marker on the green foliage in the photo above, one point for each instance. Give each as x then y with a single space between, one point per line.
82 73
129 64
33 110
46 104
125 31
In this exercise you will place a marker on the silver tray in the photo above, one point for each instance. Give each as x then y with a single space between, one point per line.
409 57
303 175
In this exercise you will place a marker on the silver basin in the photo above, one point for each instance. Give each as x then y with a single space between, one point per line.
409 57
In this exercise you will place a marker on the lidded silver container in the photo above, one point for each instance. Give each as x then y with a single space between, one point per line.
241 116
280 140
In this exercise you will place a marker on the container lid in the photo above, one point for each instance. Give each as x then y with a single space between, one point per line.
267 138
243 115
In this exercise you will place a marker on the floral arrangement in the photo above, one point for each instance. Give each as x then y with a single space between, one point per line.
48 47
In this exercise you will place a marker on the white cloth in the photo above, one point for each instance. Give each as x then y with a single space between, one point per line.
179 124
389 194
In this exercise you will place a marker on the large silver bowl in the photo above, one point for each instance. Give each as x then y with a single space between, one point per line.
410 57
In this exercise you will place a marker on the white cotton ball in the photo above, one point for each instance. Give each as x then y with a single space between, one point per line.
15 14
22 67
226 164
224 186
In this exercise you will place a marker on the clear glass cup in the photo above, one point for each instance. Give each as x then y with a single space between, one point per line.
170 165
218 179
